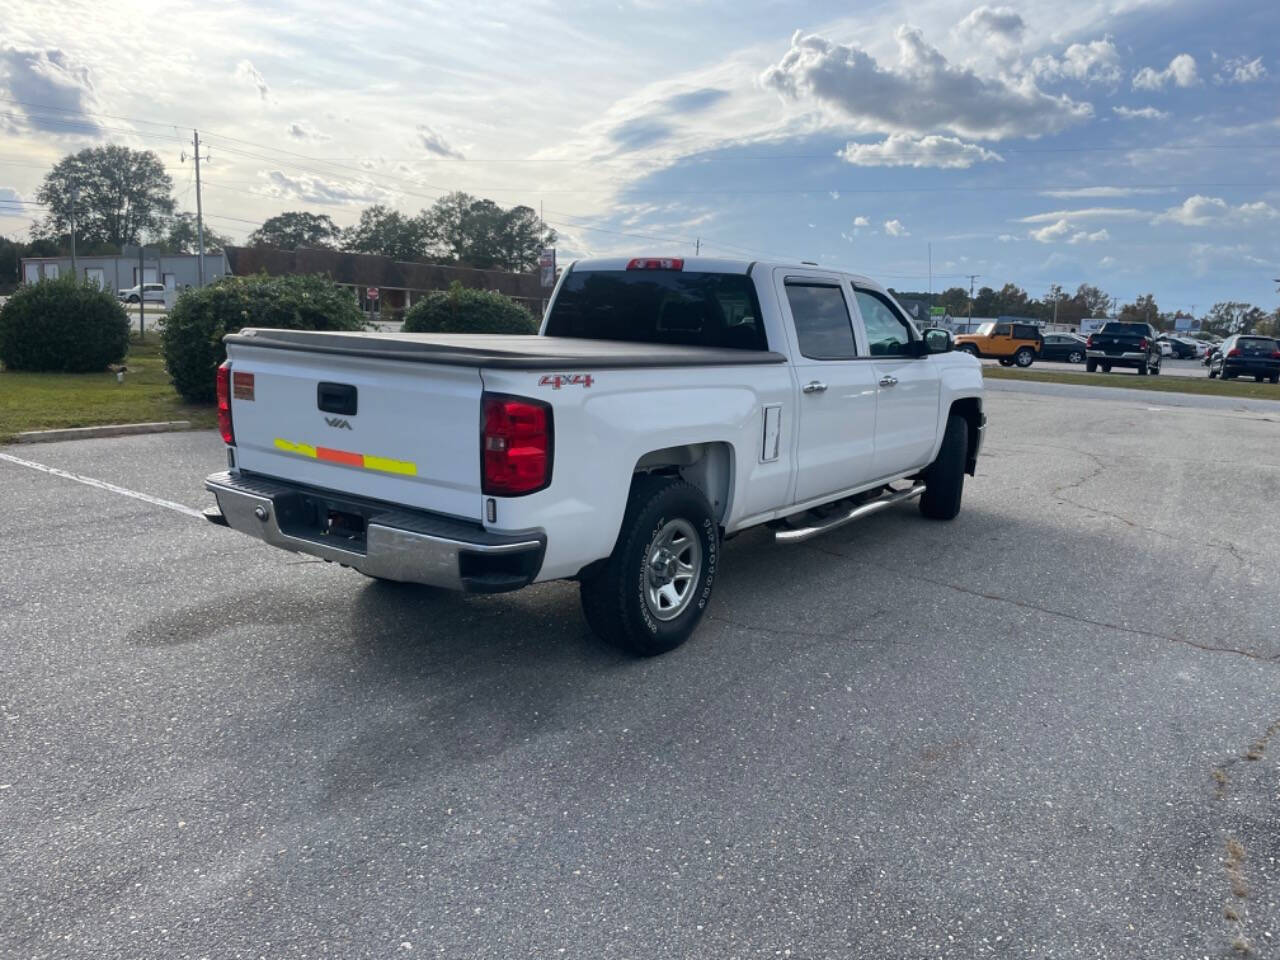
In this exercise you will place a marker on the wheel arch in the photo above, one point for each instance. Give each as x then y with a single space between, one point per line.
970 409
708 466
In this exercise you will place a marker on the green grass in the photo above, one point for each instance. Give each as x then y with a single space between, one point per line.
1197 385
46 401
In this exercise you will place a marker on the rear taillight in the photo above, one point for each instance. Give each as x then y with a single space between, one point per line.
515 445
1089 341
1275 355
656 263
1234 352
1142 344
224 404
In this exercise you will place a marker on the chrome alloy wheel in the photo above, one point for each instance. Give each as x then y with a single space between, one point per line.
672 564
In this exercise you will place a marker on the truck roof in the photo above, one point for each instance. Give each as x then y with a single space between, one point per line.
720 265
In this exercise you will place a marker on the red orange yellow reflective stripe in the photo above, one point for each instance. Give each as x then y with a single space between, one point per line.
405 468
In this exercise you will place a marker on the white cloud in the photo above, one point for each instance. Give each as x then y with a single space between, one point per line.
835 194
1202 211
1241 70
1107 262
894 228
1102 192
1062 231
1007 238
434 142
301 130
985 22
921 94
1086 213
1181 71
248 73
1052 233
903 150
10 204
50 79
1096 62
861 222
1140 113
319 190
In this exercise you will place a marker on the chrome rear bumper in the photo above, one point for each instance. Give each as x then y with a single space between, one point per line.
375 538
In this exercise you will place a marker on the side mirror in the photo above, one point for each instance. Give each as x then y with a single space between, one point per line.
939 340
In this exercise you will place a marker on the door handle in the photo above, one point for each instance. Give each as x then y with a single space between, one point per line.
814 386
888 381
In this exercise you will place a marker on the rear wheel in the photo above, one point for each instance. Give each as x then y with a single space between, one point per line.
944 479
1142 369
1258 378
1091 366
651 592
1075 356
969 348
1024 357
1275 378
1106 368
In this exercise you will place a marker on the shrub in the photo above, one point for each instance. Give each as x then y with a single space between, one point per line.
61 326
463 310
193 331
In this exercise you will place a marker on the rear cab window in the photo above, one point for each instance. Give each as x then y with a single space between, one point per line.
821 317
1258 346
659 306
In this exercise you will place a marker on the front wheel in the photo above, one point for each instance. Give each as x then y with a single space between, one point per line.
1075 356
1106 368
1213 374
1006 362
1024 357
133 298
651 592
944 479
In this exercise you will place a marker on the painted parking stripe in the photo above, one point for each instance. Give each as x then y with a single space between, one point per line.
103 485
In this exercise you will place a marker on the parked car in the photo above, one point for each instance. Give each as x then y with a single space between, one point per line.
153 292
1247 356
1123 344
1180 348
667 403
1065 347
1010 343
1166 349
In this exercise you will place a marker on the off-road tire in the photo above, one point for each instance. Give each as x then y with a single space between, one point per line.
968 348
944 478
613 595
1006 362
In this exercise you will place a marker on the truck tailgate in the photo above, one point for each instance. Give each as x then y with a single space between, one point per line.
407 433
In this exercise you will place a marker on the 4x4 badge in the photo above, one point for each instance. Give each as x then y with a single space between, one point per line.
557 380
337 423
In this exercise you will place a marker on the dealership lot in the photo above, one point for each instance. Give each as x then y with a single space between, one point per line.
1022 733
1169 367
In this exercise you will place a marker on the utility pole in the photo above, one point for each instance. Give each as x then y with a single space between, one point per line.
697 246
972 278
930 276
75 195
142 291
199 211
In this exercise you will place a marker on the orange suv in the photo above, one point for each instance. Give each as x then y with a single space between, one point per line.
1010 343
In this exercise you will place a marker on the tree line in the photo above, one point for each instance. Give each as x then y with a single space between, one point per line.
122 196
1088 301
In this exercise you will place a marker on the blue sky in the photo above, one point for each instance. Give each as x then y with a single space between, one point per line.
1129 144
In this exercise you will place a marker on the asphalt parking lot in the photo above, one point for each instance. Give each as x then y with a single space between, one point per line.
1023 733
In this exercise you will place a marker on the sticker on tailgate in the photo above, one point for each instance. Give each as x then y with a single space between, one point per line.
404 468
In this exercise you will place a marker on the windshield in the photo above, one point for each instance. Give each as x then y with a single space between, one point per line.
984 330
659 306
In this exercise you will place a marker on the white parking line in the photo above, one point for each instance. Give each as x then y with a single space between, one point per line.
103 485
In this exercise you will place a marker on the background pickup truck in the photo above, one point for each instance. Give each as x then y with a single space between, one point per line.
1118 344
665 405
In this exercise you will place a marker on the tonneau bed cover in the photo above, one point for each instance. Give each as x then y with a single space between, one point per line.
512 352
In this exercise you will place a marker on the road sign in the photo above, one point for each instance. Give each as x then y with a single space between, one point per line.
547 267
372 293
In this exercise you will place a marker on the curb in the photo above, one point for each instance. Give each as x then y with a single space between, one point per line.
108 430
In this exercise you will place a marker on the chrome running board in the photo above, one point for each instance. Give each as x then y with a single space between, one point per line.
801 534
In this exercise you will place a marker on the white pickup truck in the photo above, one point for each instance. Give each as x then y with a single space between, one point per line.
664 405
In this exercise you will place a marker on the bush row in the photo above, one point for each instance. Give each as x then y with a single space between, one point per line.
61 326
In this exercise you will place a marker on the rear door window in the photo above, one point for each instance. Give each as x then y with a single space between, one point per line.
821 317
1025 331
